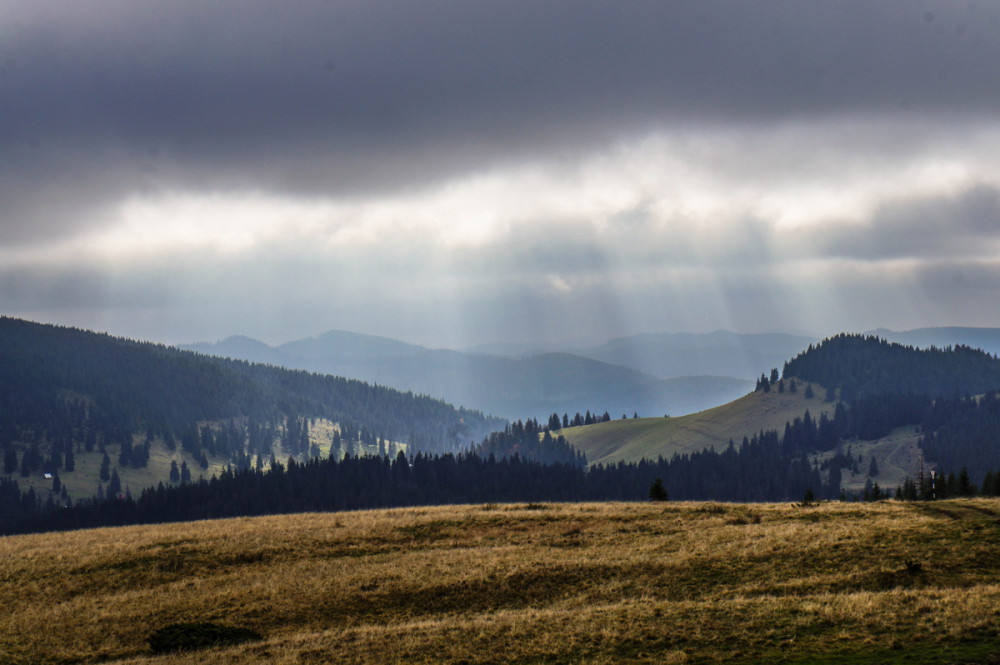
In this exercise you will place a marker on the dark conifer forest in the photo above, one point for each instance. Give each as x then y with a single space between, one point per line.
63 384
859 365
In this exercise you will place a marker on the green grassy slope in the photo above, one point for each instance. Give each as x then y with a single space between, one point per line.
633 440
898 457
82 482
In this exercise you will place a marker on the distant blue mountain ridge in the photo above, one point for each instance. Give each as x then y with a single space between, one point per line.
648 374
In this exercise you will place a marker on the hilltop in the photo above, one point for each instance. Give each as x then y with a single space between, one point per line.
860 365
649 438
590 583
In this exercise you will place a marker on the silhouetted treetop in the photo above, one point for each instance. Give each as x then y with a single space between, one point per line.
859 365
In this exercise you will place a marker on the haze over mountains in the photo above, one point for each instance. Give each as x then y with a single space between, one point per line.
658 374
649 374
987 339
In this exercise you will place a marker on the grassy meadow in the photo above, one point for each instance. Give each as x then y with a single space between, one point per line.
631 440
583 583
83 481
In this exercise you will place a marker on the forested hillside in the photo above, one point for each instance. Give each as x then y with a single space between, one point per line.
859 365
72 393
66 394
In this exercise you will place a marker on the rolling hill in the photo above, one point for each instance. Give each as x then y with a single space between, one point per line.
895 412
631 440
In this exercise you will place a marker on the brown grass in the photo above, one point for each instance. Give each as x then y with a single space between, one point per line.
590 583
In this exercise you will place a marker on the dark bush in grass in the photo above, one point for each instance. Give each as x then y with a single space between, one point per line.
202 635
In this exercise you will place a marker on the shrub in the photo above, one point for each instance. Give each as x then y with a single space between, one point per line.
199 635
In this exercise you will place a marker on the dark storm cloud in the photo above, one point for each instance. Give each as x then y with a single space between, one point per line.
102 99
78 288
963 226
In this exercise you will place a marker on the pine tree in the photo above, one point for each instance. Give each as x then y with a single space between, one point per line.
175 473
106 467
185 473
657 492
873 468
114 485
965 486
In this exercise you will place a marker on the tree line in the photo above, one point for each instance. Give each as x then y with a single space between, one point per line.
760 469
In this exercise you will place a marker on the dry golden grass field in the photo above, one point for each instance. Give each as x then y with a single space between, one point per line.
555 583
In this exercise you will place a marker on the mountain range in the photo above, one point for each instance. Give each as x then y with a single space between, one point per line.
654 374
649 374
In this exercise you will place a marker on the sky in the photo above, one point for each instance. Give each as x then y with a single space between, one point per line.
455 173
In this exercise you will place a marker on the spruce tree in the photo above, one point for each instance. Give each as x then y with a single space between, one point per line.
873 468
106 467
657 492
965 486
114 485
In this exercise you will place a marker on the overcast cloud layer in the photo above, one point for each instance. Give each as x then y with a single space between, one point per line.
458 172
